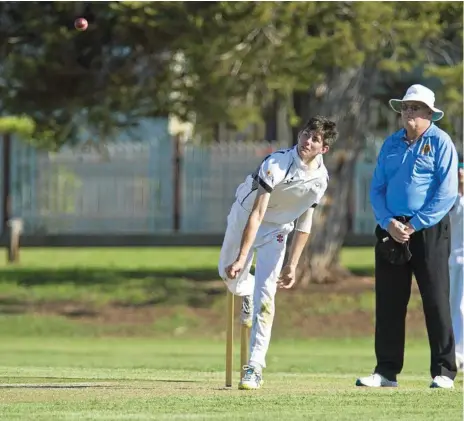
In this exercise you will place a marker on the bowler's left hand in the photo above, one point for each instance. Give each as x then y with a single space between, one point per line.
287 277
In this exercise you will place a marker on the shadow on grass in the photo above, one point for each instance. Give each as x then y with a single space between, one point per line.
76 382
53 386
196 288
364 271
30 277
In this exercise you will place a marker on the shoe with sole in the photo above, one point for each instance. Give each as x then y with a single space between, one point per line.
375 380
252 379
442 382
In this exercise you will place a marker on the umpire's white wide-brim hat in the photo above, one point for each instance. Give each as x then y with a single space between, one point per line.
422 94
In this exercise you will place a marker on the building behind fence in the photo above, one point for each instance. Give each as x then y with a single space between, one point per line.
133 188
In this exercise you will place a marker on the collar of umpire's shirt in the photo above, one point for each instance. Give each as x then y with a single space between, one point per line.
427 133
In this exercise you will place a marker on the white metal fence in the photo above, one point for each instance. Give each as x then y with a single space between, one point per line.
211 174
125 189
129 188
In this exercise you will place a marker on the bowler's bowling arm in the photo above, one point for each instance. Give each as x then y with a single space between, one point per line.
254 221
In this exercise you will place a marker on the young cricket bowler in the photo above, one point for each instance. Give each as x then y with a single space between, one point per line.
286 187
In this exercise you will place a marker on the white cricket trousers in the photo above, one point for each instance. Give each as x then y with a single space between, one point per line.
269 246
457 306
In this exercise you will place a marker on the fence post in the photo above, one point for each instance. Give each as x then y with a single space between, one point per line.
15 228
6 181
177 169
11 227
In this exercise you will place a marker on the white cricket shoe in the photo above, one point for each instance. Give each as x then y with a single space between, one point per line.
442 382
375 380
252 379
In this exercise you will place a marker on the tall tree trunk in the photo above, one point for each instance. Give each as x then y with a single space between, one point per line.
347 98
301 108
320 261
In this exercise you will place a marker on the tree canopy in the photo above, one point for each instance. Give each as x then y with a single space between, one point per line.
210 61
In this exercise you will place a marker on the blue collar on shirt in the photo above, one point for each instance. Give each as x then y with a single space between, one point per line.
428 132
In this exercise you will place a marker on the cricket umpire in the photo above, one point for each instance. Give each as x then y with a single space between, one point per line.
414 186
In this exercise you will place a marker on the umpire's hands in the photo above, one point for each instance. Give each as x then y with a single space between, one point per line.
398 231
287 277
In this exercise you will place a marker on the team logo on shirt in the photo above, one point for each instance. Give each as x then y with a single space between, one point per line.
269 175
280 238
426 149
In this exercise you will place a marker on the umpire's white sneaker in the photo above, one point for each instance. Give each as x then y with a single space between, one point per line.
252 379
375 380
442 382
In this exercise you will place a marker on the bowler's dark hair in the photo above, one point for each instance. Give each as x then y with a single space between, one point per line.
324 126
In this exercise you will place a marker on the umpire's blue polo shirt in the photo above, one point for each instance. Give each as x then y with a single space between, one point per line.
418 181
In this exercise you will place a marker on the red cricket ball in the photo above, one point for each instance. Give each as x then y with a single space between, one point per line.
81 24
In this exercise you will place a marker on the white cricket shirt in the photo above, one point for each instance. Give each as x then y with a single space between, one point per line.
457 234
294 187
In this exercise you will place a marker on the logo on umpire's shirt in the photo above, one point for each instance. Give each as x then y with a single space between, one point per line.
280 238
426 149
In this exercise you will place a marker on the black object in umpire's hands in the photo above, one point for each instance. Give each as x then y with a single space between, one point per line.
390 250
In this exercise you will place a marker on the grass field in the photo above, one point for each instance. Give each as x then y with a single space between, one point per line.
142 379
162 357
148 291
175 260
124 276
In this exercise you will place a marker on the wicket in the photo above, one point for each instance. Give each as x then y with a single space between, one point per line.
246 315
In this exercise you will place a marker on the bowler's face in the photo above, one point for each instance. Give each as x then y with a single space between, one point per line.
311 144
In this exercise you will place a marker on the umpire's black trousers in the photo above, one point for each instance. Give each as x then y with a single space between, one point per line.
430 249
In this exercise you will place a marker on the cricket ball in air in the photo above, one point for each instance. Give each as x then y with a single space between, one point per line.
81 24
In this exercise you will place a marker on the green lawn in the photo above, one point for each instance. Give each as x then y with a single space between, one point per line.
146 379
171 365
174 290
175 259
125 276
359 260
